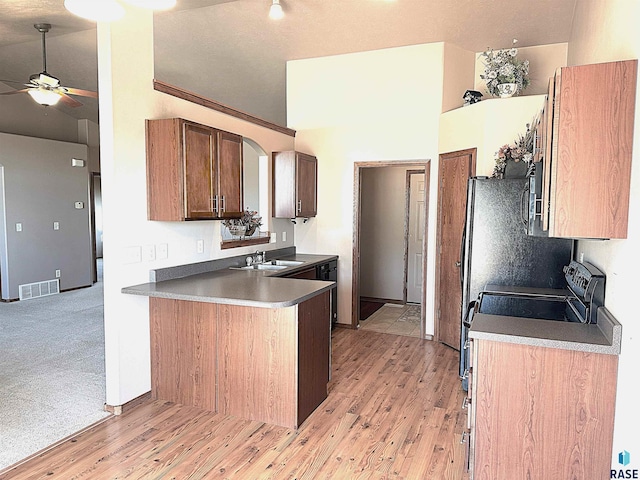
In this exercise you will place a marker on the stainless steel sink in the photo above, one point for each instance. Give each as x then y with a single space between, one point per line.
286 263
263 266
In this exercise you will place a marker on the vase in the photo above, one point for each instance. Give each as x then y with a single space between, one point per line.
237 230
507 90
251 229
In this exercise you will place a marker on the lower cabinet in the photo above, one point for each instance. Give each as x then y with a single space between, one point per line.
540 413
265 364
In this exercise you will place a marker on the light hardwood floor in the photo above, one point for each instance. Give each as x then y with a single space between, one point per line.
393 412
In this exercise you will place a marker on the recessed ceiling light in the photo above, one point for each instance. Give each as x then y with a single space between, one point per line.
95 10
152 4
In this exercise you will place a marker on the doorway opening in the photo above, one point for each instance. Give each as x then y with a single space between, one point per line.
389 246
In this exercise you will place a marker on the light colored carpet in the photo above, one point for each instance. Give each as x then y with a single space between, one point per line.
52 377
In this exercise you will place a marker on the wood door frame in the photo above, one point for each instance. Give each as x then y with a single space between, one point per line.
472 171
355 257
407 206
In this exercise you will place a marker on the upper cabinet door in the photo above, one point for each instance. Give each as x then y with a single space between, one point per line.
294 184
194 172
306 185
229 163
199 147
591 147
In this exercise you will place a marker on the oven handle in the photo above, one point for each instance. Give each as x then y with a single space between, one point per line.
468 319
577 313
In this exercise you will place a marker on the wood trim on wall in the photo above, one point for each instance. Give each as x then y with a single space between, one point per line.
218 107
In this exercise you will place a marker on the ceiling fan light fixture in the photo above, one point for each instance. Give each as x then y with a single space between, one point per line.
95 10
276 12
152 4
44 96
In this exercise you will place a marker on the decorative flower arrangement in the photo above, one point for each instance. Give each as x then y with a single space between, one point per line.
520 150
503 66
245 225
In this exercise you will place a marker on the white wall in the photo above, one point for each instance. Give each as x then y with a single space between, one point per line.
127 98
602 32
382 232
382 105
487 125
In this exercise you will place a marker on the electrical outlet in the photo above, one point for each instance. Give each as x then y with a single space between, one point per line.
56 225
57 273
162 252
284 236
18 227
274 237
581 257
149 253
200 246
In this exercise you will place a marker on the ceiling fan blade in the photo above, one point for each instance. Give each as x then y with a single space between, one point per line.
82 93
15 91
68 101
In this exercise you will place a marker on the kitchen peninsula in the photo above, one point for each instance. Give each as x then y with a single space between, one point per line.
242 342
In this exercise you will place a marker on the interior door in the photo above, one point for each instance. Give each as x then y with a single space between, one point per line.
417 215
454 170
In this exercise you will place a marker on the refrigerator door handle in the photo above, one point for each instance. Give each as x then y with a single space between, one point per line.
461 261
468 318
524 206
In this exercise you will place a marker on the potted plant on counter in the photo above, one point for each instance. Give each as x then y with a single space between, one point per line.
244 226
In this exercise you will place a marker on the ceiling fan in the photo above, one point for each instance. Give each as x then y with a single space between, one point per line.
44 88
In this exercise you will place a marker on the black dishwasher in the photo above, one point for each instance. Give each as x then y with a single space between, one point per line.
329 272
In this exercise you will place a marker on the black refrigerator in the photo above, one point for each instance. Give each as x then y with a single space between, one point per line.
496 248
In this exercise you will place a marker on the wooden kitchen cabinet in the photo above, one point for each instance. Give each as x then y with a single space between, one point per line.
588 155
540 413
294 185
194 172
264 364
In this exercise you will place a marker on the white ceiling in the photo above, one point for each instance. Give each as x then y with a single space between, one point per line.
230 51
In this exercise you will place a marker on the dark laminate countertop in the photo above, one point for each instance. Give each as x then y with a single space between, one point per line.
257 288
603 337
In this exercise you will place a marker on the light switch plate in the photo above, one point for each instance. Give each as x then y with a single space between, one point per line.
56 225
200 246
18 227
274 237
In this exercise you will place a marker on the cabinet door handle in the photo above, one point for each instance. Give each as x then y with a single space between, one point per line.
465 403
299 206
222 204
465 375
463 437
214 203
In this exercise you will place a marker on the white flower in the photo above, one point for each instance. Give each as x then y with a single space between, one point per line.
513 52
492 74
